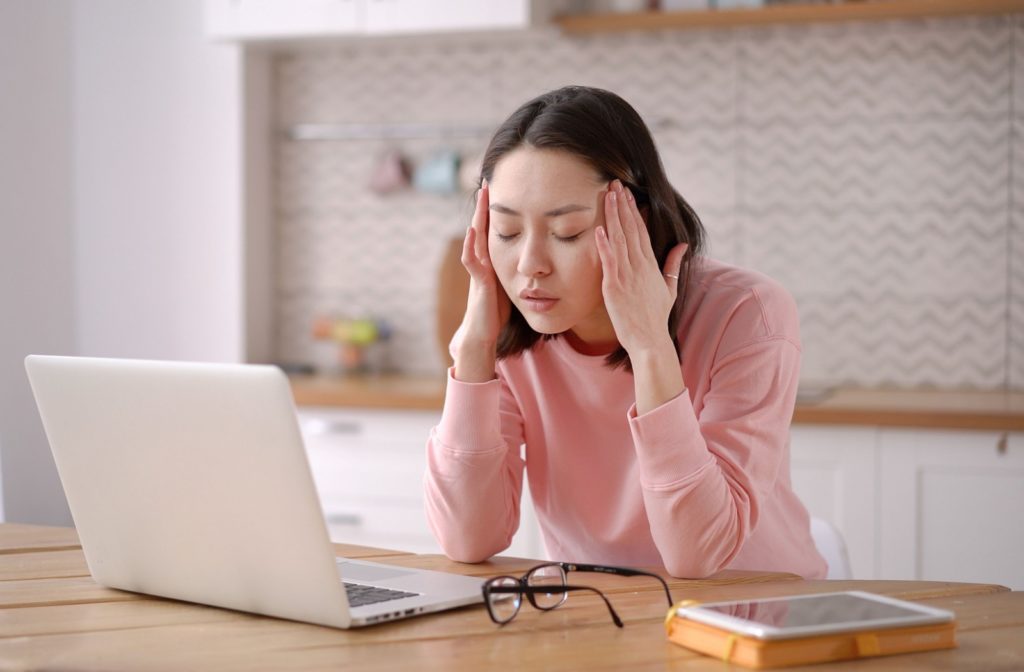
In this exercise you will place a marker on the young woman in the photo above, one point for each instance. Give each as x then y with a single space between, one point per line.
652 387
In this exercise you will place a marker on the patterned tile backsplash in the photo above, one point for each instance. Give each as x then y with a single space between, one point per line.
875 169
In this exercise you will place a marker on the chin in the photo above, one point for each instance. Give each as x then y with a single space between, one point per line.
543 324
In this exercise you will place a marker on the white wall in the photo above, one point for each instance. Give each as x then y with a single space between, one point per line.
158 147
36 256
120 204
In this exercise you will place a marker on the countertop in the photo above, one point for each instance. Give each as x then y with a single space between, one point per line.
942 409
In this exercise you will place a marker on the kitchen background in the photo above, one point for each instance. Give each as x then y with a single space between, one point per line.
873 168
156 202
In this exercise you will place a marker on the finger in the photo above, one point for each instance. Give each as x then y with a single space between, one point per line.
481 221
608 264
643 235
630 225
613 228
673 267
469 258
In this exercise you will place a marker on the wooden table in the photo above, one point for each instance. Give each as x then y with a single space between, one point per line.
53 616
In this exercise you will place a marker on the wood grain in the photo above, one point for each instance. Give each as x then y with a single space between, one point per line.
70 623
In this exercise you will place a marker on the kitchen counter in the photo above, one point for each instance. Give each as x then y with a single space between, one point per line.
942 409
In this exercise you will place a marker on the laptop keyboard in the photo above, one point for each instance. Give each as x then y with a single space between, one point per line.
360 595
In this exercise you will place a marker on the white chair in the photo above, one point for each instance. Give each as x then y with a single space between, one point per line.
829 541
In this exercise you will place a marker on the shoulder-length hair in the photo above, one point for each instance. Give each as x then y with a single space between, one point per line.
604 130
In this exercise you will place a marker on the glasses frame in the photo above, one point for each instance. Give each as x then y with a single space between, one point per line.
521 586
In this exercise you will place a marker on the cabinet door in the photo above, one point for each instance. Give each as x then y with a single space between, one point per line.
833 472
368 467
256 19
952 505
414 16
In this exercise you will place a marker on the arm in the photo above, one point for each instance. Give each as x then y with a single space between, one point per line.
474 477
704 479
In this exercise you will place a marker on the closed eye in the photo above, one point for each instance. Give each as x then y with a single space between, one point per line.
568 239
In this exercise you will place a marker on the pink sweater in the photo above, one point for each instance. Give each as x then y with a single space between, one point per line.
697 485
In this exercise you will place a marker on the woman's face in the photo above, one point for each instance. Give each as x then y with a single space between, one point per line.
544 208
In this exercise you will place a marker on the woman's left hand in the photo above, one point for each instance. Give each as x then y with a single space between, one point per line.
637 294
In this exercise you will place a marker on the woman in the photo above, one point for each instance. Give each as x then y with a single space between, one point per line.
652 387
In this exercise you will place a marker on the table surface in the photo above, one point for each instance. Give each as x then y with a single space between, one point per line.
53 616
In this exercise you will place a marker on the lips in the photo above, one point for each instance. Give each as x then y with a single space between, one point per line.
537 300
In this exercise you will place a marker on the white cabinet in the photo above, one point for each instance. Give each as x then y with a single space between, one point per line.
833 472
417 16
265 19
953 506
368 467
918 504
283 19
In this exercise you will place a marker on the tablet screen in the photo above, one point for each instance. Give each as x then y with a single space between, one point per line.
831 612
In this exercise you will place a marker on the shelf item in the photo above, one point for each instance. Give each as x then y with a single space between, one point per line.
869 10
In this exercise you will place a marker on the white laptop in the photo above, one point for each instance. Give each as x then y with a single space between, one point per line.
190 481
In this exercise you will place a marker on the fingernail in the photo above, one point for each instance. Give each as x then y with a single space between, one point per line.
629 195
483 183
614 197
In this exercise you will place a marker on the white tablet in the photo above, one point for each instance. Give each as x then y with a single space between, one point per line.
809 615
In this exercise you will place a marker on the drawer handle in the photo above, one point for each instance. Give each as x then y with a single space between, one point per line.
319 427
1003 443
351 519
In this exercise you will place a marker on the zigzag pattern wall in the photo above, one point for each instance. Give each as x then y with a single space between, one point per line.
875 169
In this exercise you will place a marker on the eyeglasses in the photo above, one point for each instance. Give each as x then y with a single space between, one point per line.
546 587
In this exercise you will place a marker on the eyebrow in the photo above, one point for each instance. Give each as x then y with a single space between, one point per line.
564 210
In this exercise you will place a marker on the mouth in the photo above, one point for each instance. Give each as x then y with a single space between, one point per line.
537 300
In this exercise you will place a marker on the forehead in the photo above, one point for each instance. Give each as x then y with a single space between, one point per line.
528 173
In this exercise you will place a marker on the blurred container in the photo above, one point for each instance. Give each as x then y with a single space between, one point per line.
350 345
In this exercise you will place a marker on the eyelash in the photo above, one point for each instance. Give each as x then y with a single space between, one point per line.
566 239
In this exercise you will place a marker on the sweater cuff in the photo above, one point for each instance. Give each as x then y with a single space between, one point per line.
470 419
668 442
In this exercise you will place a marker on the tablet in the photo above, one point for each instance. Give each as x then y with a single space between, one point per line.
809 615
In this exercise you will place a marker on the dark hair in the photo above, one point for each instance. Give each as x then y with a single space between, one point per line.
605 131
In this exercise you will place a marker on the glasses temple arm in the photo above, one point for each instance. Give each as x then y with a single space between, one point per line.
621 571
611 609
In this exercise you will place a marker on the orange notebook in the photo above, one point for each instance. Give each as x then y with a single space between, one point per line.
755 652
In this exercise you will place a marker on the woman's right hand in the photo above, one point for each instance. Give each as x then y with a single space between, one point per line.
487 306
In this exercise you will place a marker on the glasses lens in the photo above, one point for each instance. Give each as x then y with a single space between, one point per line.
504 606
544 576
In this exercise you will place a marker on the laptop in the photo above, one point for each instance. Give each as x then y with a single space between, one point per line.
190 481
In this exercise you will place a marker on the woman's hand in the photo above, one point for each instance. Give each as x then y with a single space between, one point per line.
639 297
637 294
487 306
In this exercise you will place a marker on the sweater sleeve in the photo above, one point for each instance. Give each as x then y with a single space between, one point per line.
474 477
705 479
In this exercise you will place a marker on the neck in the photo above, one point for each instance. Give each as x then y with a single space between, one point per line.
591 347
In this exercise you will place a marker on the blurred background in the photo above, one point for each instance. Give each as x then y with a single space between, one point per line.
251 180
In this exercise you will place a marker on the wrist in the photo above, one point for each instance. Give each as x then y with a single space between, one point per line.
475 362
660 351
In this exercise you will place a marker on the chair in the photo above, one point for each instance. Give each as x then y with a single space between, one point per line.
829 542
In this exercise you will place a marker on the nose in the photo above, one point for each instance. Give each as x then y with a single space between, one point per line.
534 260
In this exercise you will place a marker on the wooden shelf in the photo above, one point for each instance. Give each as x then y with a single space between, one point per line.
867 10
